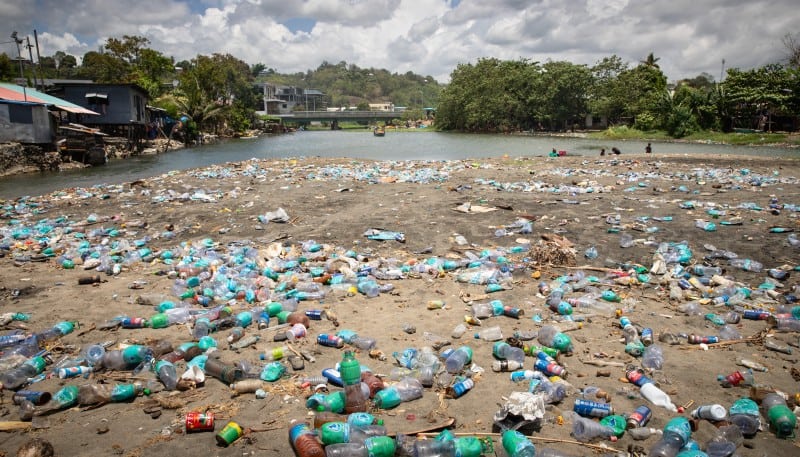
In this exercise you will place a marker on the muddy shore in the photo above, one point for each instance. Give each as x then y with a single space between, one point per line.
334 202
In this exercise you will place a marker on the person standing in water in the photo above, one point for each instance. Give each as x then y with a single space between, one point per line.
648 149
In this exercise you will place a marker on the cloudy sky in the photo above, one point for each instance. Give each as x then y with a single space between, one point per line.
429 37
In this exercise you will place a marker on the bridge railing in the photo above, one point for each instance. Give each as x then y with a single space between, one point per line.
342 115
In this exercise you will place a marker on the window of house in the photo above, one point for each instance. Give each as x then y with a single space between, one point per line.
20 114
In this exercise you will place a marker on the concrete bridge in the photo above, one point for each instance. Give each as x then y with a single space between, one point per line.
304 117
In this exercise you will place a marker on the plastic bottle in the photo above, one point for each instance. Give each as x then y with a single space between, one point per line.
304 442
736 378
590 303
724 444
202 327
167 374
554 391
457 359
504 351
482 310
653 357
458 331
376 446
490 334
649 390
550 336
702 270
517 445
15 378
356 419
710 412
643 433
57 331
785 324
744 414
677 433
781 419
352 338
406 390
350 370
126 359
186 352
66 397
342 432
224 372
747 265
332 402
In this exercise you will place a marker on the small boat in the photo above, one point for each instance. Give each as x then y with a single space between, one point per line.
377 131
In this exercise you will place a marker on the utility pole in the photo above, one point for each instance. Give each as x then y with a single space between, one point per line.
38 59
30 55
18 41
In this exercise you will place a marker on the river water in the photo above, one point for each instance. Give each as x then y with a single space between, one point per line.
358 145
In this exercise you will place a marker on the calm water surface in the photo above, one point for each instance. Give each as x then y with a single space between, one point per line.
357 145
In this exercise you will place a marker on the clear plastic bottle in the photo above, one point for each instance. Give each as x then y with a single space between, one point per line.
747 265
504 351
167 374
653 357
458 331
517 445
677 433
781 419
202 327
643 433
490 334
376 446
744 414
457 359
785 324
584 429
407 389
126 359
19 376
57 331
550 336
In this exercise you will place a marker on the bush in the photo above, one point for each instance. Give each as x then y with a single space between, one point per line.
681 123
645 121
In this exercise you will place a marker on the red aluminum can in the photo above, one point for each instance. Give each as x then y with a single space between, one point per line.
199 422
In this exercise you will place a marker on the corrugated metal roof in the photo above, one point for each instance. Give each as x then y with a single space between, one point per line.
19 93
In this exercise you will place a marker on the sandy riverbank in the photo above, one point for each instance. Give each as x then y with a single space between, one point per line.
334 202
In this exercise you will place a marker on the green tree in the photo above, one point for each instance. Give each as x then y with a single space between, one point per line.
761 92
607 95
103 68
6 68
566 87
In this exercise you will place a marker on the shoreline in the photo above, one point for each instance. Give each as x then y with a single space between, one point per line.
188 212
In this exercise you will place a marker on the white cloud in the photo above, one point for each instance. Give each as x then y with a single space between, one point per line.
429 37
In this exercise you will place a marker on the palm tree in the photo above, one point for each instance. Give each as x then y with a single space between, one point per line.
650 61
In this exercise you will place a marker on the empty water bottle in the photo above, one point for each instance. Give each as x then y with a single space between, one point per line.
747 265
781 419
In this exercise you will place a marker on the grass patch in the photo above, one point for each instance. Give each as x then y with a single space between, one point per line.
742 139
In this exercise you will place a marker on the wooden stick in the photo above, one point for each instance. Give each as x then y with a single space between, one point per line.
88 329
596 447
602 363
10 426
291 348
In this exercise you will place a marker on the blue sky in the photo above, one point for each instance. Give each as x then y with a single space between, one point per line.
429 37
